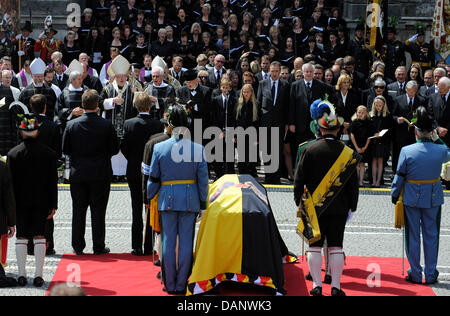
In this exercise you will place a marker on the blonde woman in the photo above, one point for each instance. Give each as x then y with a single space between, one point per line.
360 130
381 120
247 115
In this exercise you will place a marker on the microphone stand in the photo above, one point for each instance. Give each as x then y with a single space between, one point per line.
226 130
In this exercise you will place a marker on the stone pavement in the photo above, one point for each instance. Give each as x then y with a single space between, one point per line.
370 233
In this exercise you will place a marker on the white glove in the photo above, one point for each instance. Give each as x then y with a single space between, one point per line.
350 216
20 53
413 38
200 216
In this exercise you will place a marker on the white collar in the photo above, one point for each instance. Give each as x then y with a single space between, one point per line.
163 85
71 88
306 82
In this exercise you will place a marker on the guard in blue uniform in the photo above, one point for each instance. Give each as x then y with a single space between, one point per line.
418 180
180 173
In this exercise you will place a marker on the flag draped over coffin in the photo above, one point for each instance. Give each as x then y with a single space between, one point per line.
238 239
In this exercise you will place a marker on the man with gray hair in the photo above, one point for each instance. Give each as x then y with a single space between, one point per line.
70 99
303 93
439 109
158 90
400 85
215 74
404 107
160 47
438 73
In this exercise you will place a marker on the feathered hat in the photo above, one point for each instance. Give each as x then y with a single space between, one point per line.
324 115
28 123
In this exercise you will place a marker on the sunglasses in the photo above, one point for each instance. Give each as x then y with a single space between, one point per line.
379 87
203 77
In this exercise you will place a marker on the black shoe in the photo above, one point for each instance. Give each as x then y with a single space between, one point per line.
317 291
22 281
104 251
431 282
327 279
308 277
147 253
157 263
337 292
38 282
79 252
137 252
158 276
50 252
410 280
7 282
183 292
169 292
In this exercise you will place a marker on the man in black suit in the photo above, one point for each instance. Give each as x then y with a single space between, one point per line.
49 135
35 181
273 95
359 82
400 85
224 117
60 79
438 73
137 132
265 67
216 73
200 97
404 107
439 109
90 141
303 93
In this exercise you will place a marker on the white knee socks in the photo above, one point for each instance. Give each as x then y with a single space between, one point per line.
315 265
21 255
337 260
40 247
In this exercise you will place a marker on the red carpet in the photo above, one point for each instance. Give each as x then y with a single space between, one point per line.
127 275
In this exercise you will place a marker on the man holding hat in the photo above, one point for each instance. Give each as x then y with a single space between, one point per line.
417 184
326 187
38 86
32 162
116 103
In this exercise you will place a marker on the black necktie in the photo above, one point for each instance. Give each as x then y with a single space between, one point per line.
218 78
411 104
273 92
308 90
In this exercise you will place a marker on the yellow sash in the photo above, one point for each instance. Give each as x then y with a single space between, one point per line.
154 214
178 182
400 207
308 226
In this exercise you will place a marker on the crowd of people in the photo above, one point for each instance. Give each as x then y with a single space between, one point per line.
232 64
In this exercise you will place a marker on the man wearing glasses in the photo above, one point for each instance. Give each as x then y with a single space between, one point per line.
158 89
216 73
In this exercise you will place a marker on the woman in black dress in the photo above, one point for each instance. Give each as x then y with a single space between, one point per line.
247 115
360 130
381 120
